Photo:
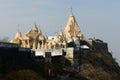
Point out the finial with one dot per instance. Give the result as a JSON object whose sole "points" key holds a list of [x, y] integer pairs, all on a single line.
{"points": [[71, 9], [35, 24], [18, 27], [40, 29]]}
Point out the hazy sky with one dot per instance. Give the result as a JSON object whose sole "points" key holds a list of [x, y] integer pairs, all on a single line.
{"points": [[96, 18]]}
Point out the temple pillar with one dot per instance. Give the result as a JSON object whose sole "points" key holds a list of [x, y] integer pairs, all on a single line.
{"points": [[49, 45], [42, 46], [23, 43], [28, 45], [38, 46], [46, 46], [34, 45]]}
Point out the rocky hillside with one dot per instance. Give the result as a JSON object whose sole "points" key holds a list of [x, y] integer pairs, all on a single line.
{"points": [[97, 65]]}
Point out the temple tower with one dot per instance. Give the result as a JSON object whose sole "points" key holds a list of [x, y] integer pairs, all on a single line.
{"points": [[72, 28]]}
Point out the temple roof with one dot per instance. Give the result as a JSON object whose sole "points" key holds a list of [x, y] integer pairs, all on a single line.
{"points": [[18, 35], [35, 27], [34, 32], [72, 28]]}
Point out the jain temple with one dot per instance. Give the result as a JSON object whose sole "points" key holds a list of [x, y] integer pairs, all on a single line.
{"points": [[70, 43], [66, 56], [34, 38]]}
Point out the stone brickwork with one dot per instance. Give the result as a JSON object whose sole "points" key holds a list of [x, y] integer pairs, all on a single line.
{"points": [[13, 57], [98, 45]]}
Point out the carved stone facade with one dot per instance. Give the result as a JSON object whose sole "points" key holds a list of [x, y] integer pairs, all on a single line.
{"points": [[34, 38]]}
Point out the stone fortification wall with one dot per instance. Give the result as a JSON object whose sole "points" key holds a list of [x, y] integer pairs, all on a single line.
{"points": [[98, 45], [12, 57]]}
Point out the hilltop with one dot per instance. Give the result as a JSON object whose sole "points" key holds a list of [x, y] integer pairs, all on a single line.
{"points": [[66, 56]]}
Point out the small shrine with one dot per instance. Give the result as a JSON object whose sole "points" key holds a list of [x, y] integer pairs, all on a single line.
{"points": [[33, 39]]}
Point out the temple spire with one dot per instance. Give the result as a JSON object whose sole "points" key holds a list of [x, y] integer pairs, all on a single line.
{"points": [[18, 35], [72, 28], [35, 27]]}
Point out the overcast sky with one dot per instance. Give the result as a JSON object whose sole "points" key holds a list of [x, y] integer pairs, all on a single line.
{"points": [[96, 18]]}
